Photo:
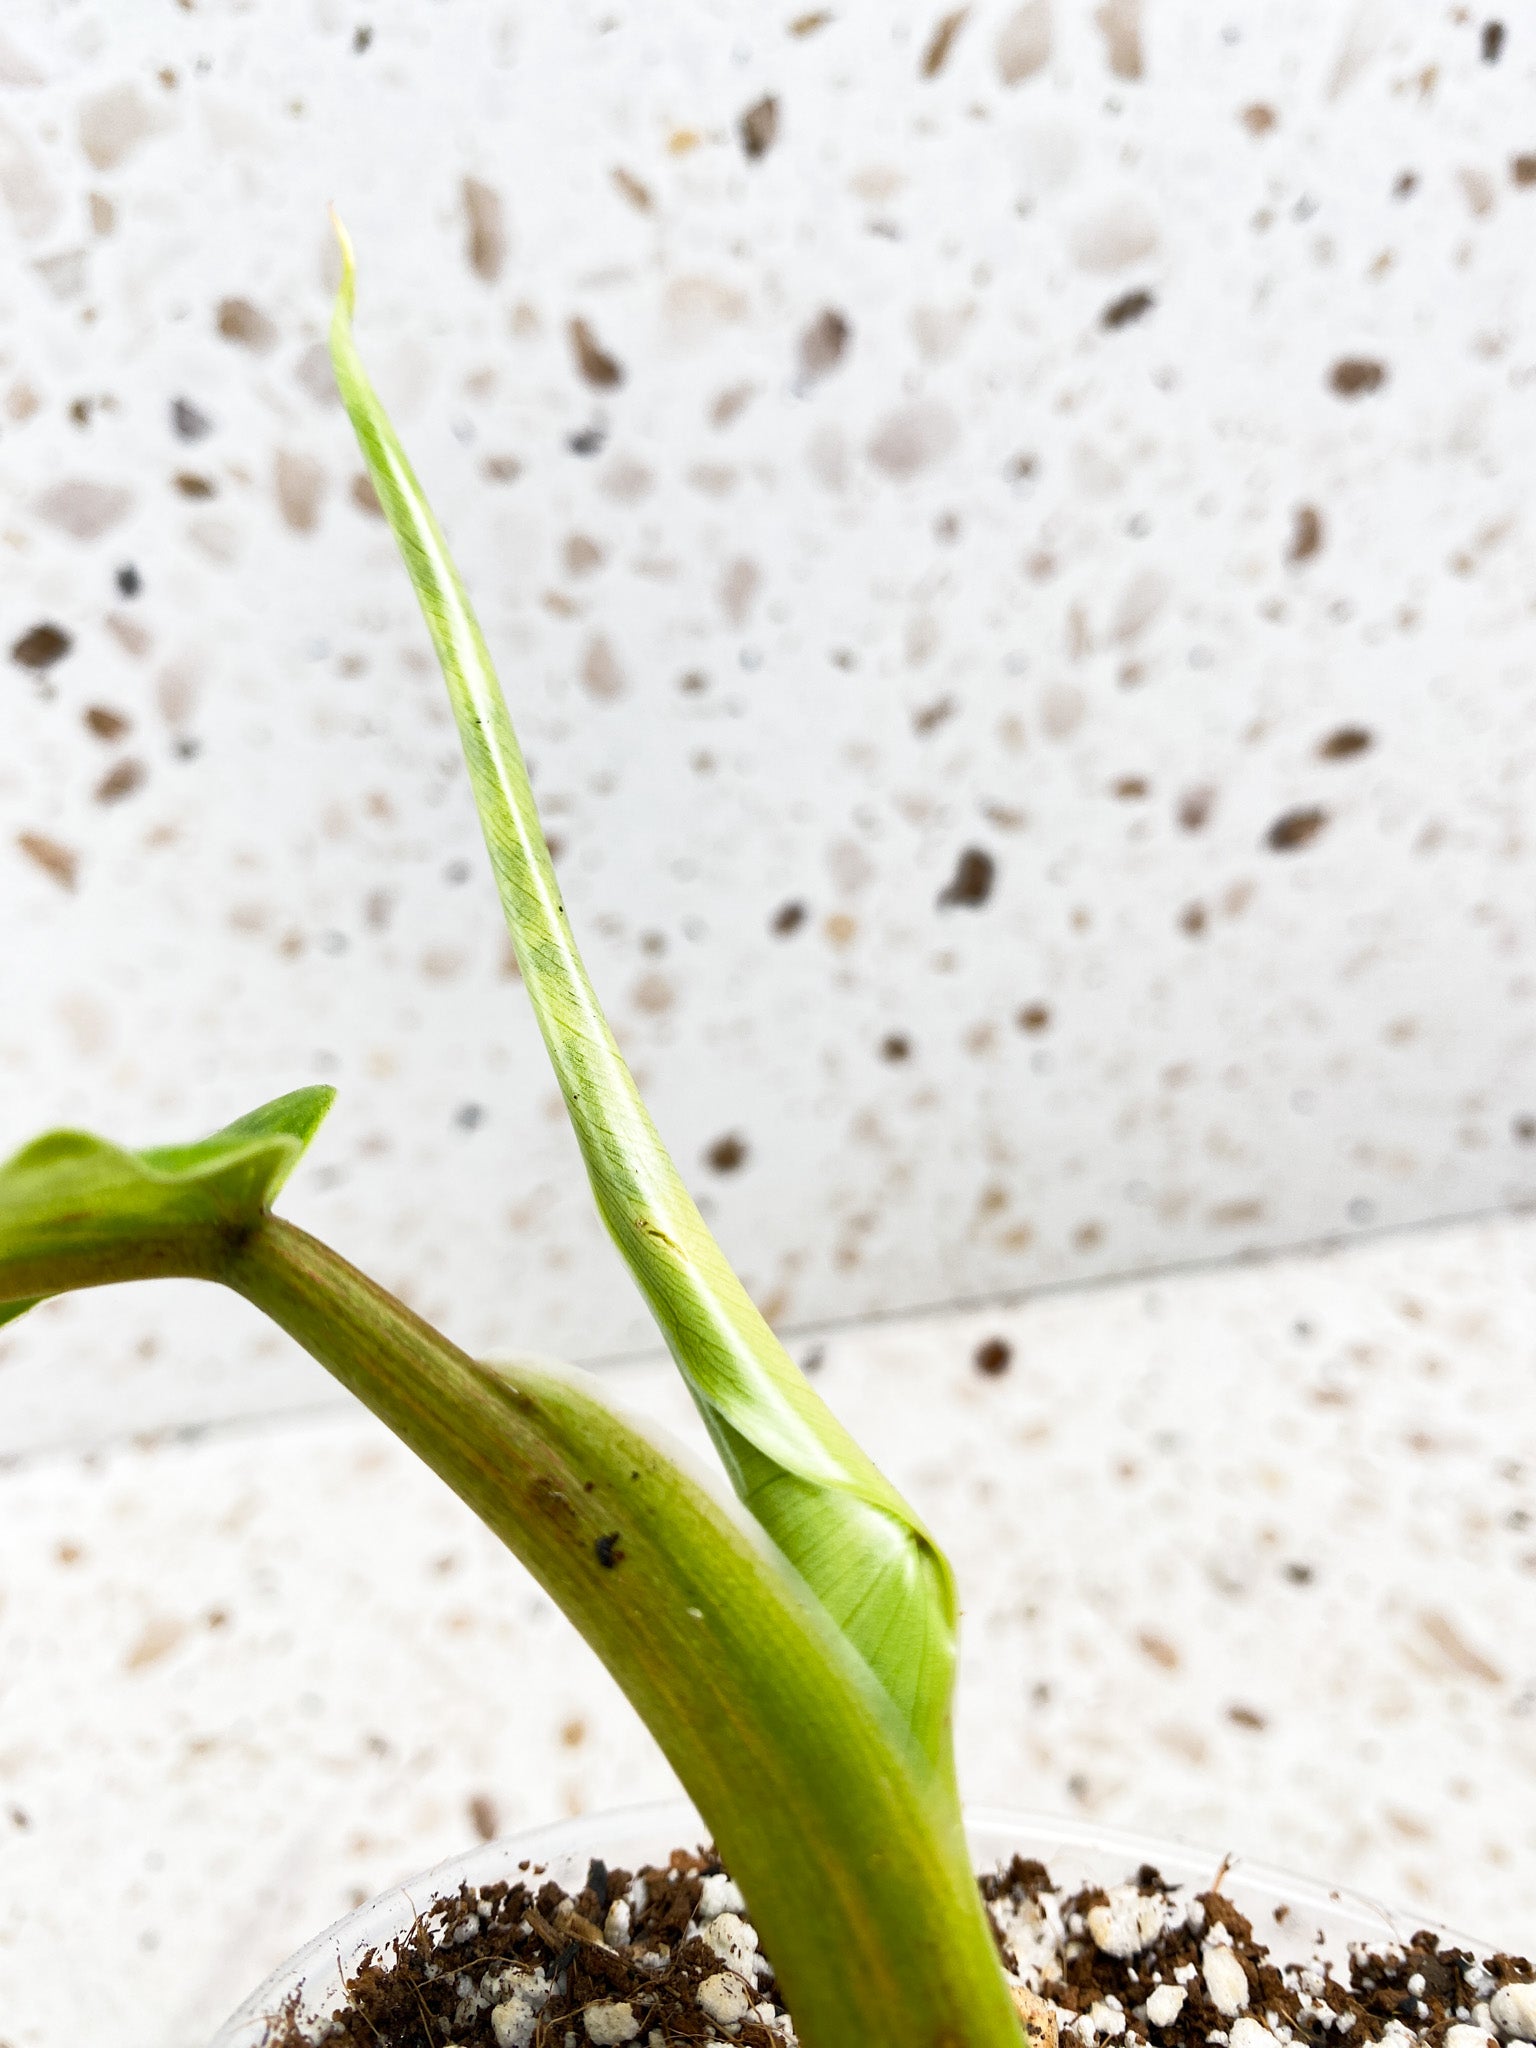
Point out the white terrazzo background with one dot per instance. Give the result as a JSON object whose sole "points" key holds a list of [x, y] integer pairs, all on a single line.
{"points": [[1247, 1555], [1249, 1552], [791, 632]]}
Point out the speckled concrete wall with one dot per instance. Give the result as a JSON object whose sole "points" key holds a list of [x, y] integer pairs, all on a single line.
{"points": [[1006, 535]]}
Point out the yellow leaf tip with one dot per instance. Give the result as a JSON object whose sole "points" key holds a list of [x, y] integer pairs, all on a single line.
{"points": [[346, 291]]}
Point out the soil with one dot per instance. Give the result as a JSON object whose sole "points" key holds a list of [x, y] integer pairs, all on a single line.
{"points": [[649, 1956]]}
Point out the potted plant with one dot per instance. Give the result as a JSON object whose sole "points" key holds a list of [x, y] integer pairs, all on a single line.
{"points": [[793, 1654]]}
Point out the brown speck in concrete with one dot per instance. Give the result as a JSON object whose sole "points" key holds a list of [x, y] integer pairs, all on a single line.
{"points": [[1344, 744], [177, 689], [603, 371], [1295, 829], [1195, 807], [971, 883], [1455, 1652], [993, 1356], [299, 482], [364, 496], [1130, 788], [501, 469], [895, 1047], [1062, 710], [240, 321], [1522, 170], [1258, 119], [1087, 1237], [1356, 376], [1034, 1017], [188, 422], [55, 860], [1193, 919], [1306, 534], [601, 675], [1024, 42], [442, 963], [1248, 1717], [132, 637], [929, 717], [1119, 22], [84, 510], [158, 1637], [485, 229], [759, 127], [113, 124], [1477, 189], [727, 1153], [1158, 1649], [653, 994], [740, 581], [1114, 235], [120, 781], [730, 405], [483, 1817], [191, 485], [581, 554], [786, 919], [1122, 312], [105, 723], [824, 343], [637, 193], [913, 438], [41, 646], [1492, 41], [942, 41], [626, 481]]}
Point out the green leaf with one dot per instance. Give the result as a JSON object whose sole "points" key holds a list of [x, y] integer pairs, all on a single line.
{"points": [[832, 1513], [74, 1206]]}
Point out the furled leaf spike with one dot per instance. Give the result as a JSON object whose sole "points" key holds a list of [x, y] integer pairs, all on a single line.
{"points": [[833, 1514]]}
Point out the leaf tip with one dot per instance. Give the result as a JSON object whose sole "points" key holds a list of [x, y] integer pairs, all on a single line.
{"points": [[346, 291]]}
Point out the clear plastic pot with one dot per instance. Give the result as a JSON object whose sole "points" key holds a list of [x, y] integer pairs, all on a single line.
{"points": [[1314, 1921]]}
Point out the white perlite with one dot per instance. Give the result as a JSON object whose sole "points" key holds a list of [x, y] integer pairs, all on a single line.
{"points": [[1165, 2005], [718, 1894], [1512, 2009], [525, 1995], [1127, 1924], [1463, 2036], [610, 2023], [616, 1924], [1248, 2033], [723, 1999], [1225, 1978], [733, 1941]]}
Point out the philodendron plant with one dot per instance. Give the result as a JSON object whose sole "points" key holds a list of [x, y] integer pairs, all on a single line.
{"points": [[796, 1660]]}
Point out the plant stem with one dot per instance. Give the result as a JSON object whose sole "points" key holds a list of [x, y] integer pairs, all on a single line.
{"points": [[849, 1854]]}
